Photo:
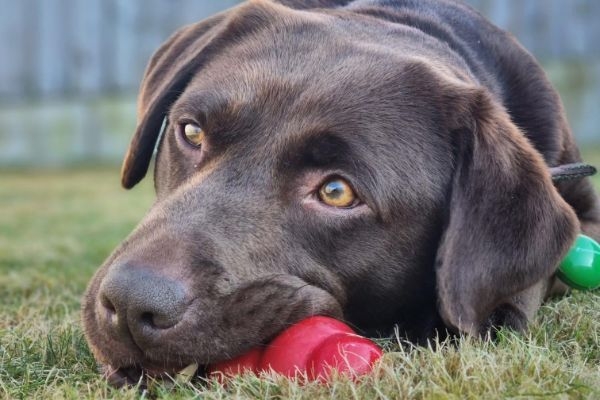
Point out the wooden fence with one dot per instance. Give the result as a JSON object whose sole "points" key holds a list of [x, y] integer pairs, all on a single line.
{"points": [[56, 48], [64, 63]]}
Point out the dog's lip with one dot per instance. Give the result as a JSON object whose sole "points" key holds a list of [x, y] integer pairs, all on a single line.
{"points": [[134, 374], [122, 376]]}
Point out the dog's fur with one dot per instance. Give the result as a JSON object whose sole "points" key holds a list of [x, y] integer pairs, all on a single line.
{"points": [[444, 126]]}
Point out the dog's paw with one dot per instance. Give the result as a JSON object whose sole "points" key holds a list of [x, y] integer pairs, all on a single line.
{"points": [[505, 316]]}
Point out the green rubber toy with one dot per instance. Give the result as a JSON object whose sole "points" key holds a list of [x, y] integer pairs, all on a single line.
{"points": [[580, 268]]}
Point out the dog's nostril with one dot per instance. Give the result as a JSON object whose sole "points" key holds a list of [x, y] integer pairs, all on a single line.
{"points": [[158, 320], [147, 319], [110, 311]]}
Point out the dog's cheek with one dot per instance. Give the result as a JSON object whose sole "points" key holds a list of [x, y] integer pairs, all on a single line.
{"points": [[88, 313]]}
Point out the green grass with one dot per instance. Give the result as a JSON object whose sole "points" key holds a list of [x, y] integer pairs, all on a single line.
{"points": [[57, 227]]}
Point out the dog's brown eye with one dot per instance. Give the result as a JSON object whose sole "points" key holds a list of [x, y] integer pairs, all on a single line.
{"points": [[194, 135], [337, 193]]}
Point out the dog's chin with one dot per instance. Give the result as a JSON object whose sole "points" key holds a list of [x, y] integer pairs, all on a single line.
{"points": [[130, 368]]}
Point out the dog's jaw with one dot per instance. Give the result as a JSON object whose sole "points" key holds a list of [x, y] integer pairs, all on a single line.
{"points": [[208, 333]]}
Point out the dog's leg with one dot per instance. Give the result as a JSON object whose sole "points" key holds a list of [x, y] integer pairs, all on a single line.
{"points": [[518, 311]]}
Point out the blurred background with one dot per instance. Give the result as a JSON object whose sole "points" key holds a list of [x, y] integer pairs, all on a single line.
{"points": [[70, 69]]}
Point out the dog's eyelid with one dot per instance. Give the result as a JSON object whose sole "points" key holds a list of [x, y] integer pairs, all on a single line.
{"points": [[188, 118]]}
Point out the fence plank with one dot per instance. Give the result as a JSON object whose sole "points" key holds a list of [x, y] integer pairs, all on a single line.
{"points": [[86, 46], [11, 22], [126, 14], [51, 68]]}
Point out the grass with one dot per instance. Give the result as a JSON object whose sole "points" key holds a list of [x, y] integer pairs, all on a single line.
{"points": [[57, 227]]}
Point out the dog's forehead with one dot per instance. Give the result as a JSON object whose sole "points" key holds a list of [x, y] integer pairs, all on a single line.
{"points": [[308, 76]]}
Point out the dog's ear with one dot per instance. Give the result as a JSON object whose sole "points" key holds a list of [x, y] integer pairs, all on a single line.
{"points": [[172, 68], [168, 73], [507, 226]]}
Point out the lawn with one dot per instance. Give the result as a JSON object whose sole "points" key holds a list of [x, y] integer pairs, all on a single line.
{"points": [[57, 227]]}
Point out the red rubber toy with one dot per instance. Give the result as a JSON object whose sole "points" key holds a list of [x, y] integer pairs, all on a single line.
{"points": [[312, 348], [247, 362], [350, 355]]}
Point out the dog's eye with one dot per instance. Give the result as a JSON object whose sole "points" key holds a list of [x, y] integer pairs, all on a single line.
{"points": [[337, 193], [194, 135]]}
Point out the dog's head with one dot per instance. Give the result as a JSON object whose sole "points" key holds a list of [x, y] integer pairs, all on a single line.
{"points": [[317, 164]]}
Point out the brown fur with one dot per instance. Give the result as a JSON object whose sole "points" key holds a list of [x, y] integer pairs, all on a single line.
{"points": [[444, 130]]}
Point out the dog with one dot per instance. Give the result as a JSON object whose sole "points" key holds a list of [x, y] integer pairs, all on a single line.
{"points": [[381, 162]]}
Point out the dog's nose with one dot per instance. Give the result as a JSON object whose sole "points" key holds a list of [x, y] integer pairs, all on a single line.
{"points": [[138, 303]]}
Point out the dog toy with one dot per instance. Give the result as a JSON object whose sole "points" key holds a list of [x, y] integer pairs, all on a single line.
{"points": [[313, 347], [580, 268]]}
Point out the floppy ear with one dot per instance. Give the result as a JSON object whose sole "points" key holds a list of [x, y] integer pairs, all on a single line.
{"points": [[170, 70], [507, 226]]}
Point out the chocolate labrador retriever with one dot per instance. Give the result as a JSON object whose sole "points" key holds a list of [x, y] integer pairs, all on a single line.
{"points": [[383, 162]]}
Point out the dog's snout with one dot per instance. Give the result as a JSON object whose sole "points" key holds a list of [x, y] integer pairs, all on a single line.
{"points": [[137, 303]]}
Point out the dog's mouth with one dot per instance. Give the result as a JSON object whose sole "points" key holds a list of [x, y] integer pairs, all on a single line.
{"points": [[136, 353], [136, 375]]}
